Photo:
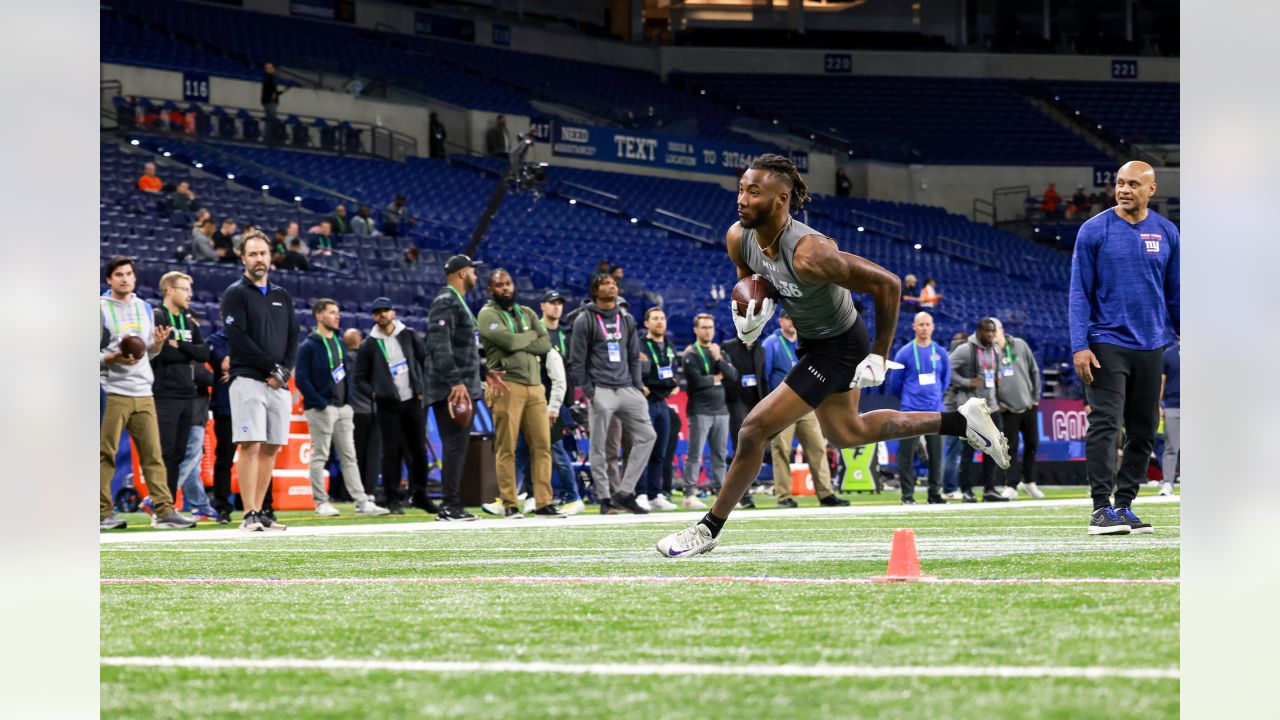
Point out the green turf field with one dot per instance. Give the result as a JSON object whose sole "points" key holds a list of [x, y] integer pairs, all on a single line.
{"points": [[583, 619]]}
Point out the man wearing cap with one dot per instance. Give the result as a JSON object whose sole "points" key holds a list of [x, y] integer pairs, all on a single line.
{"points": [[453, 354], [515, 342], [390, 369], [555, 378]]}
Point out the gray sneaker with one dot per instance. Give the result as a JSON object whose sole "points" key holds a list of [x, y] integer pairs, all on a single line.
{"points": [[172, 521], [112, 522]]}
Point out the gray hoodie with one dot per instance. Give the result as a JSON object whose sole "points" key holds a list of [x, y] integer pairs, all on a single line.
{"points": [[968, 361], [589, 363], [1019, 391], [130, 317]]}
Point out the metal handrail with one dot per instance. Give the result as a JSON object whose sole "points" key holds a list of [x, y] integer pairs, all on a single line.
{"points": [[682, 218]]}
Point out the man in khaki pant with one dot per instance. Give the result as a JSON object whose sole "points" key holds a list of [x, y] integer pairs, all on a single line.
{"points": [[515, 342], [130, 404]]}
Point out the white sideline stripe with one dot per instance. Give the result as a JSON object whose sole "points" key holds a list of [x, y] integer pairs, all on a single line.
{"points": [[611, 579], [659, 669], [594, 520]]}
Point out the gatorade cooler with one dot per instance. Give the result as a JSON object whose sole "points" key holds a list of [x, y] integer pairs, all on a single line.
{"points": [[801, 480]]}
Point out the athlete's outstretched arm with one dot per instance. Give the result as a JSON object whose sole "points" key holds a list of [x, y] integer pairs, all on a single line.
{"points": [[818, 260]]}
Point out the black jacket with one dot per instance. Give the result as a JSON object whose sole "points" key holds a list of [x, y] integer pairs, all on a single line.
{"points": [[373, 376], [750, 388], [706, 397], [172, 366], [262, 331], [453, 353], [659, 388], [314, 377]]}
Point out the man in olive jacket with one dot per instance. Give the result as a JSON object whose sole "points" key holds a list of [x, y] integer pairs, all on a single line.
{"points": [[515, 342]]}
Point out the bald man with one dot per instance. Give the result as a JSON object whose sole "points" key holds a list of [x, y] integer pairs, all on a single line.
{"points": [[1124, 310], [924, 377], [367, 437]]}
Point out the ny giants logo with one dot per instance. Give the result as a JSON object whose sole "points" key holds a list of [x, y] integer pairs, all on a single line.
{"points": [[1151, 241], [1068, 425]]}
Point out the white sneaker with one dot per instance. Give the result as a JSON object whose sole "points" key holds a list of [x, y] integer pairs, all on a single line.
{"points": [[326, 509], [1031, 489], [494, 508], [1008, 492], [691, 502], [530, 504], [660, 502], [643, 501], [369, 507], [573, 508], [954, 495], [688, 542], [983, 434], [1166, 488]]}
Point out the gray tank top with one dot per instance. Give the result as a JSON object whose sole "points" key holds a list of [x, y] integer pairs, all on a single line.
{"points": [[819, 311]]}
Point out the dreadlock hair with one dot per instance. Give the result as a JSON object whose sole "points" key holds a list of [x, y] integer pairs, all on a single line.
{"points": [[787, 169], [598, 279]]}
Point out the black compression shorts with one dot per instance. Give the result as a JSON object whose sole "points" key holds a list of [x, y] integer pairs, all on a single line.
{"points": [[826, 367]]}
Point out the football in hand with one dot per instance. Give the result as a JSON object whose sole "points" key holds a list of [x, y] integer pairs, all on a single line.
{"points": [[461, 413], [133, 346], [756, 287]]}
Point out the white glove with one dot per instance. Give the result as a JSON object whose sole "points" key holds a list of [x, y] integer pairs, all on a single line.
{"points": [[749, 327], [871, 371]]}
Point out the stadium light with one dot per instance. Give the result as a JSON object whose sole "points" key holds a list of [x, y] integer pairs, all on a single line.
{"points": [[296, 198], [231, 176], [702, 92], [542, 164], [775, 121], [167, 153], [1099, 127], [1077, 112], [133, 141], [861, 229], [1037, 230], [199, 165], [266, 187], [916, 246], [635, 220], [572, 201]]}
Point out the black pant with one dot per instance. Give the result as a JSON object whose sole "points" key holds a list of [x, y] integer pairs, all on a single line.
{"points": [[173, 415], [224, 453], [1125, 390], [403, 426], [1024, 424], [368, 450], [989, 467], [668, 460], [454, 441], [907, 450]]}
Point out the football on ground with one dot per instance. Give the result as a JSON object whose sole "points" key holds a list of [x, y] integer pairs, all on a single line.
{"points": [[755, 287]]}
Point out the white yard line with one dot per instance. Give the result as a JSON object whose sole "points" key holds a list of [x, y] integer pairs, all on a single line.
{"points": [[666, 670], [614, 579], [595, 520]]}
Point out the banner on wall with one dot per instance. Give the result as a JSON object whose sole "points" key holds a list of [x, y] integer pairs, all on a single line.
{"points": [[657, 150]]}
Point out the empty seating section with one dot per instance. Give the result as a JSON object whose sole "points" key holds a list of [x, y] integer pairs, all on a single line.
{"points": [[912, 119], [1139, 111]]}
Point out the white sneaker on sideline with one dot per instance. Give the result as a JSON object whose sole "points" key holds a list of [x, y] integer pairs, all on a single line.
{"points": [[954, 495], [691, 541], [494, 508], [643, 501], [573, 508], [1031, 489], [326, 509], [1008, 492], [530, 504], [1166, 488], [660, 502], [982, 432], [691, 502], [371, 508]]}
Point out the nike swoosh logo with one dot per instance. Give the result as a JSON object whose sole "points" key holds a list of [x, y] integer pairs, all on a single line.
{"points": [[983, 437], [675, 553]]}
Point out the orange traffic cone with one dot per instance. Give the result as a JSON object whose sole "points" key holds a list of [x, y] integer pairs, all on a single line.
{"points": [[904, 564]]}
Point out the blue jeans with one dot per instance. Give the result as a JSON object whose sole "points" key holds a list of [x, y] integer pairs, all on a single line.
{"points": [[193, 496], [651, 480], [562, 478], [951, 464]]}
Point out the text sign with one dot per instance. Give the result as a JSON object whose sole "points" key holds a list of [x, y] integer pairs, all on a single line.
{"points": [[1103, 175], [837, 63], [633, 147], [1124, 69], [195, 87]]}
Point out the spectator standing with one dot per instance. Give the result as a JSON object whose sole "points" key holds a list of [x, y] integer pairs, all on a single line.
{"points": [[779, 359], [745, 394], [497, 140], [453, 354], [130, 405], [194, 498], [149, 181], [390, 368], [910, 301], [1124, 311], [974, 373], [515, 343], [174, 370], [843, 184], [224, 449], [658, 366], [436, 136], [1019, 397], [605, 362], [951, 446], [1050, 202], [1171, 411], [920, 383], [706, 371], [555, 378], [262, 335], [395, 218], [321, 377], [270, 97], [929, 296], [364, 423]]}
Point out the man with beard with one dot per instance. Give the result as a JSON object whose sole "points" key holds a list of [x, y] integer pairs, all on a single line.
{"points": [[975, 378], [835, 358], [389, 368], [515, 343], [262, 333], [453, 354], [605, 362], [658, 362]]}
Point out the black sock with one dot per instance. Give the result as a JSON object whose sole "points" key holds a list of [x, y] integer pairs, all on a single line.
{"points": [[953, 423], [713, 523]]}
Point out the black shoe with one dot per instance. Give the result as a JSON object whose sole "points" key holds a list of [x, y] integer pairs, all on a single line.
{"points": [[908, 501], [425, 504], [1136, 526], [1106, 521], [607, 507], [788, 503], [395, 509], [747, 502], [453, 514], [833, 501], [512, 514], [270, 514], [549, 511], [628, 503], [993, 497], [224, 517], [937, 500], [969, 497]]}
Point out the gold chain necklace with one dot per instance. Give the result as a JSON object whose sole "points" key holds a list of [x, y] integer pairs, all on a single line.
{"points": [[781, 230]]}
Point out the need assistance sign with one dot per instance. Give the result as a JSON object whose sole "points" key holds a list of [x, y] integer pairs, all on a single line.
{"points": [[615, 145]]}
